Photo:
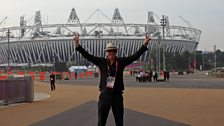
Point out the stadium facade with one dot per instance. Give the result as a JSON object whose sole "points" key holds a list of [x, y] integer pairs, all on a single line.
{"points": [[49, 43]]}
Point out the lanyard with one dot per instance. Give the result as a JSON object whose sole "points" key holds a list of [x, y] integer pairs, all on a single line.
{"points": [[108, 68]]}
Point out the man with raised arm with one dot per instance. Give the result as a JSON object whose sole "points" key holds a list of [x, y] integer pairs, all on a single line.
{"points": [[111, 85]]}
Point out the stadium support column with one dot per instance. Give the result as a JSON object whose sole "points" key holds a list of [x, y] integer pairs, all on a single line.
{"points": [[8, 57], [163, 24]]}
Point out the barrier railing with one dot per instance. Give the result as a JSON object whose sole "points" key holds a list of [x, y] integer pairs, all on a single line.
{"points": [[16, 89], [44, 76]]}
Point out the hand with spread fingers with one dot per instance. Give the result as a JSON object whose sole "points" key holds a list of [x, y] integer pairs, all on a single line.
{"points": [[147, 39], [76, 39]]}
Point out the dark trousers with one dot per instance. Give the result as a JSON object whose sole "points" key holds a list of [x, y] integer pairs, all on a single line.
{"points": [[52, 85], [106, 101]]}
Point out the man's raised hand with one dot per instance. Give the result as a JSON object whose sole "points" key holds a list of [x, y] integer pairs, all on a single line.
{"points": [[147, 39], [76, 39]]}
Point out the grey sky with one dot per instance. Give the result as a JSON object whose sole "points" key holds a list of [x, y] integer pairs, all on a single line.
{"points": [[207, 16]]}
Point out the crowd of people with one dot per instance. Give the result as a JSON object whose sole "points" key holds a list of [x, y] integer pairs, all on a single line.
{"points": [[151, 76]]}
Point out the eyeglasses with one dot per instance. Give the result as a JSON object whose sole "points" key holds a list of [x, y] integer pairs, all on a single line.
{"points": [[111, 50]]}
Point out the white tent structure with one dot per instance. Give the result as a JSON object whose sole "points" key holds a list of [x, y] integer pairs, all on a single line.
{"points": [[76, 68]]}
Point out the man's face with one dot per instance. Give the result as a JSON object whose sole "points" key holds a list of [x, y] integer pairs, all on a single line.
{"points": [[111, 54]]}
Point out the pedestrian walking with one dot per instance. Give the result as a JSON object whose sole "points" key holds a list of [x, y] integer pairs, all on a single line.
{"points": [[154, 74], [165, 75], [168, 75], [136, 76], [150, 76], [111, 85], [52, 81]]}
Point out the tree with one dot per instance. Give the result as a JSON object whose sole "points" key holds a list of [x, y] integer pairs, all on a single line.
{"points": [[184, 61]]}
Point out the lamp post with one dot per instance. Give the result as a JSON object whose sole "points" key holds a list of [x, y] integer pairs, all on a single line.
{"points": [[54, 61], [159, 59], [163, 24], [215, 56], [8, 57]]}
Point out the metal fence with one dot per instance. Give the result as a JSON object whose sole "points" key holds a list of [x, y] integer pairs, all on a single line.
{"points": [[16, 90]]}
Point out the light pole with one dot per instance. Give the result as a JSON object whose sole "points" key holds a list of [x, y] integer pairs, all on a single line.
{"points": [[215, 56], [54, 61], [159, 59], [195, 60], [156, 58], [8, 57], [163, 24]]}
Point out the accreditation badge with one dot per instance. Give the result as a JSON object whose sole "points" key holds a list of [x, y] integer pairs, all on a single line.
{"points": [[110, 82]]}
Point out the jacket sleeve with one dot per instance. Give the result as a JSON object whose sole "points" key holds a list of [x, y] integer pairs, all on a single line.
{"points": [[132, 58], [91, 58]]}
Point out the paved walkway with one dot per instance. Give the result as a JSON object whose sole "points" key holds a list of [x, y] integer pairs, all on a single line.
{"points": [[76, 105], [40, 96]]}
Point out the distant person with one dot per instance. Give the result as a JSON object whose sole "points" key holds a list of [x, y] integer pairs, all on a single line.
{"points": [[76, 76], [111, 85], [168, 75], [165, 75], [66, 77], [136, 76], [52, 81], [139, 77], [154, 75], [146, 76], [150, 76]]}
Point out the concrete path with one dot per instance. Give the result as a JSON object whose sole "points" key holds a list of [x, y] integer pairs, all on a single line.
{"points": [[86, 115], [74, 104]]}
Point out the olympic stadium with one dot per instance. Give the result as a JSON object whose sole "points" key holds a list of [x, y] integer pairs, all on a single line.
{"points": [[40, 42]]}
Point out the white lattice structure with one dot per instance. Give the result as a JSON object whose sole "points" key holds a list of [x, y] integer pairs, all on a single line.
{"points": [[39, 43]]}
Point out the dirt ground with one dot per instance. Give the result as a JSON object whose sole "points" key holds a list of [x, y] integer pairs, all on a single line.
{"points": [[195, 107]]}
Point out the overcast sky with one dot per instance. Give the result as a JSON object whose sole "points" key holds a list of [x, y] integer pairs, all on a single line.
{"points": [[206, 15]]}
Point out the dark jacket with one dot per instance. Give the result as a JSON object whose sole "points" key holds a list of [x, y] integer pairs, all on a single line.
{"points": [[52, 77], [102, 63]]}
